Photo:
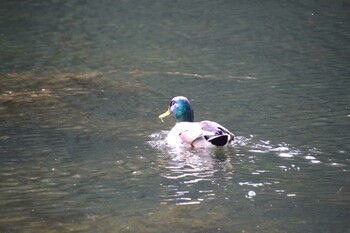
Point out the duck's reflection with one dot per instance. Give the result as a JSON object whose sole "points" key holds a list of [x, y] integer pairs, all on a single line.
{"points": [[191, 176]]}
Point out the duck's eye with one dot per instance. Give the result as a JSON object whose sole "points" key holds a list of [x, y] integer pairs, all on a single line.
{"points": [[171, 103]]}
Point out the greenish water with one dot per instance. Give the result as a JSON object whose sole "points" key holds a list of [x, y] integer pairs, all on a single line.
{"points": [[82, 85]]}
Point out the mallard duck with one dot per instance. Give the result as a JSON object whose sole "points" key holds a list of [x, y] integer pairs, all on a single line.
{"points": [[186, 132]]}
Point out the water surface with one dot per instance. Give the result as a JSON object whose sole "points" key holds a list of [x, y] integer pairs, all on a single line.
{"points": [[82, 84]]}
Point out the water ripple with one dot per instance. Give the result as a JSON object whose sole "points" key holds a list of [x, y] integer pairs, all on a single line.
{"points": [[187, 172], [193, 176], [282, 149]]}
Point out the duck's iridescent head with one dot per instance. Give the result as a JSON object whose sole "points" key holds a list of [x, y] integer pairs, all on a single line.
{"points": [[181, 109]]}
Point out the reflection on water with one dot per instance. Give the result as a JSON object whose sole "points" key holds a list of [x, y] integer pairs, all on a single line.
{"points": [[188, 172]]}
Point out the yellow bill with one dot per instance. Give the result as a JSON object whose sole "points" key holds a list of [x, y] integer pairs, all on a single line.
{"points": [[167, 113]]}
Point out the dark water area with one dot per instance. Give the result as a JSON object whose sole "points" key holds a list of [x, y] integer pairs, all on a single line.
{"points": [[82, 84]]}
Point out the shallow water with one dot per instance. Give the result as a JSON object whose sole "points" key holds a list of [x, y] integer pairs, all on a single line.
{"points": [[82, 84]]}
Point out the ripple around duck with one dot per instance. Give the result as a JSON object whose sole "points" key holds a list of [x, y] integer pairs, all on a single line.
{"points": [[189, 174], [195, 175], [245, 144]]}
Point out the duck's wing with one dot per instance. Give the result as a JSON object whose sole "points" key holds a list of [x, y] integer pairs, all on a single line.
{"points": [[204, 133], [218, 135], [215, 128], [189, 136], [188, 131]]}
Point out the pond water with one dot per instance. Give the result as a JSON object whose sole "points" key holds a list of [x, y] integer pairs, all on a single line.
{"points": [[82, 84]]}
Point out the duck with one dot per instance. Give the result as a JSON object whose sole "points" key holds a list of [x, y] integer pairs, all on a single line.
{"points": [[188, 133]]}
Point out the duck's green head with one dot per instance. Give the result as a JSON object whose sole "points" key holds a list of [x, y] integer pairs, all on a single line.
{"points": [[181, 109]]}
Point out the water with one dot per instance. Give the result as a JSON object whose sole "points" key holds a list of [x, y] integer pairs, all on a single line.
{"points": [[82, 84]]}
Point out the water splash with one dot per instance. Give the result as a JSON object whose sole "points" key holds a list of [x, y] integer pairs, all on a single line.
{"points": [[158, 140]]}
